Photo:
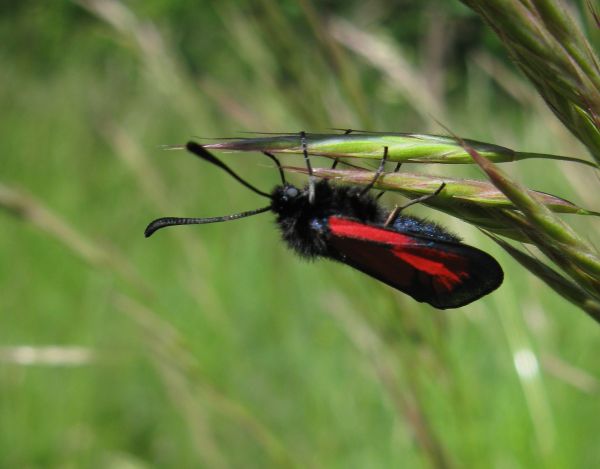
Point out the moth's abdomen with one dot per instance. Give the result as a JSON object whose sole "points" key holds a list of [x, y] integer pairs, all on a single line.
{"points": [[417, 226]]}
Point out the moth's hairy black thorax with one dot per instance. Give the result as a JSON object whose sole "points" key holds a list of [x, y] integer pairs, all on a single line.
{"points": [[303, 225]]}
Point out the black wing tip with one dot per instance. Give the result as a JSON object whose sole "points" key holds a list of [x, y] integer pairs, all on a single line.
{"points": [[494, 277]]}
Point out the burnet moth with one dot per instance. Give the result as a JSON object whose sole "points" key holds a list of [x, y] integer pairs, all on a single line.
{"points": [[348, 225]]}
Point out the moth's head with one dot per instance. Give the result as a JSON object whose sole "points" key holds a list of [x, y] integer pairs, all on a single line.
{"points": [[288, 198]]}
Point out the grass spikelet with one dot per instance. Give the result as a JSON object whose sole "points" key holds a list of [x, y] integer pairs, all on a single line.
{"points": [[560, 284], [546, 44], [550, 234], [474, 201], [467, 191], [402, 147]]}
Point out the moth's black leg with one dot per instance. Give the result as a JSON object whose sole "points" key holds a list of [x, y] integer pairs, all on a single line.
{"points": [[392, 216], [377, 173], [311, 177], [338, 161], [396, 169], [398, 208]]}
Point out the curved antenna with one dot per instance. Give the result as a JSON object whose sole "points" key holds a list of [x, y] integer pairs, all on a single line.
{"points": [[173, 221], [273, 158], [311, 177], [201, 152]]}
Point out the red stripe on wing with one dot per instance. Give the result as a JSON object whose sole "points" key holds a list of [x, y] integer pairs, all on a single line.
{"points": [[407, 248], [446, 277], [353, 229], [442, 273]]}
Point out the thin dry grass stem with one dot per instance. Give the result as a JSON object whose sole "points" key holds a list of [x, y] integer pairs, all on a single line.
{"points": [[31, 210], [47, 355], [594, 12], [276, 39], [227, 103], [150, 181], [162, 337], [203, 439], [521, 91], [391, 62], [169, 77], [166, 72], [566, 372], [129, 152], [404, 400], [348, 76], [437, 42], [253, 44], [189, 389], [503, 76], [244, 33], [154, 189]]}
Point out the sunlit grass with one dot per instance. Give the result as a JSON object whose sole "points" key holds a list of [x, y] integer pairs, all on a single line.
{"points": [[214, 346]]}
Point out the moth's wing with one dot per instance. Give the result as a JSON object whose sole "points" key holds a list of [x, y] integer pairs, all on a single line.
{"points": [[442, 273]]}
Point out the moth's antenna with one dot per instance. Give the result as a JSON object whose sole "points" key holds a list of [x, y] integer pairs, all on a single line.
{"points": [[273, 158], [311, 177], [173, 221], [201, 152]]}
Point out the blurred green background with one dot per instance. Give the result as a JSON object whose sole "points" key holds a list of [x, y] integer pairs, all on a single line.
{"points": [[214, 346]]}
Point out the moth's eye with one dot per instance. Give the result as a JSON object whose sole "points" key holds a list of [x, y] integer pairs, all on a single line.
{"points": [[291, 192]]}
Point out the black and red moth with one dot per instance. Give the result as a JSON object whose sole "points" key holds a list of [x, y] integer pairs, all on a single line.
{"points": [[348, 225]]}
